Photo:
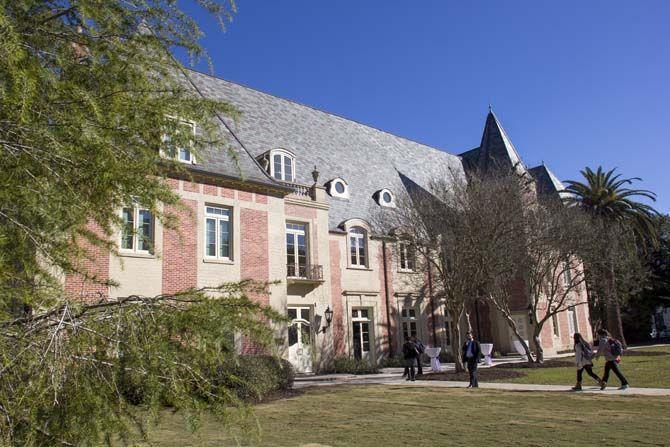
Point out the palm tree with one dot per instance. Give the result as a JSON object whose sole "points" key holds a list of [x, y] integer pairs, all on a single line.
{"points": [[605, 196]]}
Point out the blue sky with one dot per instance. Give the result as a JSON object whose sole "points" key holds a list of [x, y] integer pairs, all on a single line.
{"points": [[574, 83]]}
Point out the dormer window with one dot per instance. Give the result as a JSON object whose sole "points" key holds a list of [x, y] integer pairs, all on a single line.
{"points": [[338, 188], [281, 165], [384, 197], [182, 150]]}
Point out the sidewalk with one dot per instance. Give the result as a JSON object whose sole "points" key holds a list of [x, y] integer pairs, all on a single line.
{"points": [[393, 378]]}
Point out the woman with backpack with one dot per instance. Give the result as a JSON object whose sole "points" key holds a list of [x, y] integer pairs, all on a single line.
{"points": [[583, 356], [612, 349]]}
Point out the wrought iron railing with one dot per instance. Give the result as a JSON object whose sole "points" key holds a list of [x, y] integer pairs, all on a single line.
{"points": [[305, 271]]}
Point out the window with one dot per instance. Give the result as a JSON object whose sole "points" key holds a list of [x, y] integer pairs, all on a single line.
{"points": [[182, 153], [408, 322], [338, 188], [137, 233], [406, 256], [218, 240], [296, 250], [385, 197], [572, 320], [554, 323], [357, 247], [567, 274], [282, 166], [360, 321]]}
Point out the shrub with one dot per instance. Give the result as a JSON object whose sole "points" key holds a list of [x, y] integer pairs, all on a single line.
{"points": [[445, 356], [254, 377], [351, 366], [393, 362]]}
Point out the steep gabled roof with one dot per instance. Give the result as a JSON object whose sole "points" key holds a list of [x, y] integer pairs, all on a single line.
{"points": [[546, 183], [496, 150]]}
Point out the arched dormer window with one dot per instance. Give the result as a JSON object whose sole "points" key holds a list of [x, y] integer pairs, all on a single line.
{"points": [[358, 247], [280, 164]]}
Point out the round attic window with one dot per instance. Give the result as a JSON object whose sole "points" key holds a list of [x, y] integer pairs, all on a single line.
{"points": [[339, 187], [386, 197]]}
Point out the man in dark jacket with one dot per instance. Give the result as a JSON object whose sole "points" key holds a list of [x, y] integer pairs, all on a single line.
{"points": [[420, 349], [409, 353], [471, 354]]}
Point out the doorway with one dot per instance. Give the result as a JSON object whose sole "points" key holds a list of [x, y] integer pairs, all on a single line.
{"points": [[300, 339]]}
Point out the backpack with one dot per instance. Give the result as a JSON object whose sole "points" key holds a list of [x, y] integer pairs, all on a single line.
{"points": [[587, 353], [616, 348]]}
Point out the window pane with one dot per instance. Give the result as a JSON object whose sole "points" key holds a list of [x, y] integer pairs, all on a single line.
{"points": [[288, 167], [224, 238], [184, 154], [363, 313], [290, 253], [127, 229], [144, 231], [361, 252], [292, 314], [292, 335], [277, 167], [352, 243], [210, 237]]}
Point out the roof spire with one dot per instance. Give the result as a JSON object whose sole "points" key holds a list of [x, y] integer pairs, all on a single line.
{"points": [[490, 107]]}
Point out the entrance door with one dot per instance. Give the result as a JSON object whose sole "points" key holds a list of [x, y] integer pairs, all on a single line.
{"points": [[361, 323], [300, 339], [296, 250]]}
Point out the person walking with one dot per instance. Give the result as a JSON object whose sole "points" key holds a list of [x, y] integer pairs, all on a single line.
{"points": [[471, 354], [409, 354], [583, 356], [420, 349], [611, 349]]}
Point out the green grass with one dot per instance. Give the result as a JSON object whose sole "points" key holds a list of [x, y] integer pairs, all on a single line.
{"points": [[396, 415], [641, 371]]}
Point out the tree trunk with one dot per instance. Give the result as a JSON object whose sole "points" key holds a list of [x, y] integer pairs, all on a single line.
{"points": [[456, 346], [539, 352], [614, 325]]}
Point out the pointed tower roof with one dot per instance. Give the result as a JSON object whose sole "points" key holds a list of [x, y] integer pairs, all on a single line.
{"points": [[546, 182], [496, 149]]}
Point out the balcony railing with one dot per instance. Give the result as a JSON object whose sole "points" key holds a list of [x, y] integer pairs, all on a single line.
{"points": [[300, 190], [305, 273]]}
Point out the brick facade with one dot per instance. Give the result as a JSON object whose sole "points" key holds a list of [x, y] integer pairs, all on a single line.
{"points": [[339, 332], [180, 245], [96, 264]]}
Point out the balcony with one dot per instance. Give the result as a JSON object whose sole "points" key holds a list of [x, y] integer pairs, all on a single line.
{"points": [[304, 274]]}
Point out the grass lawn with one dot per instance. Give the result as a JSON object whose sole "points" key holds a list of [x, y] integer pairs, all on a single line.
{"points": [[395, 415], [641, 371]]}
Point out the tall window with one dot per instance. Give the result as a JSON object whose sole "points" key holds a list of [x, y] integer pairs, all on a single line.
{"points": [[567, 274], [572, 320], [282, 166], [357, 247], [360, 321], [554, 323], [137, 234], [182, 151], [296, 250], [217, 232], [406, 256], [408, 321]]}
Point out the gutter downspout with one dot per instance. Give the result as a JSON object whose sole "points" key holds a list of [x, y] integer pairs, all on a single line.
{"points": [[388, 304], [432, 303]]}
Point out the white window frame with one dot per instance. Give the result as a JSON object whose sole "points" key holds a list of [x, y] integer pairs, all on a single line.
{"points": [[556, 326], [177, 155], [382, 202], [406, 320], [218, 218], [332, 188], [567, 274], [297, 232], [573, 326], [361, 241], [136, 233], [285, 155], [407, 253]]}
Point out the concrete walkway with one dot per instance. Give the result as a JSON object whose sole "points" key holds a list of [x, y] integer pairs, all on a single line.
{"points": [[394, 379]]}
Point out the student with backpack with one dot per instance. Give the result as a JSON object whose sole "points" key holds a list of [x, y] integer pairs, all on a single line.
{"points": [[612, 349], [583, 356]]}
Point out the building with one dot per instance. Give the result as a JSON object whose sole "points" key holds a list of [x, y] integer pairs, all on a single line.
{"points": [[294, 203]]}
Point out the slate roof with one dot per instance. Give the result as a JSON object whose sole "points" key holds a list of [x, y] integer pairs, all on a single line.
{"points": [[496, 150], [546, 183], [368, 159]]}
